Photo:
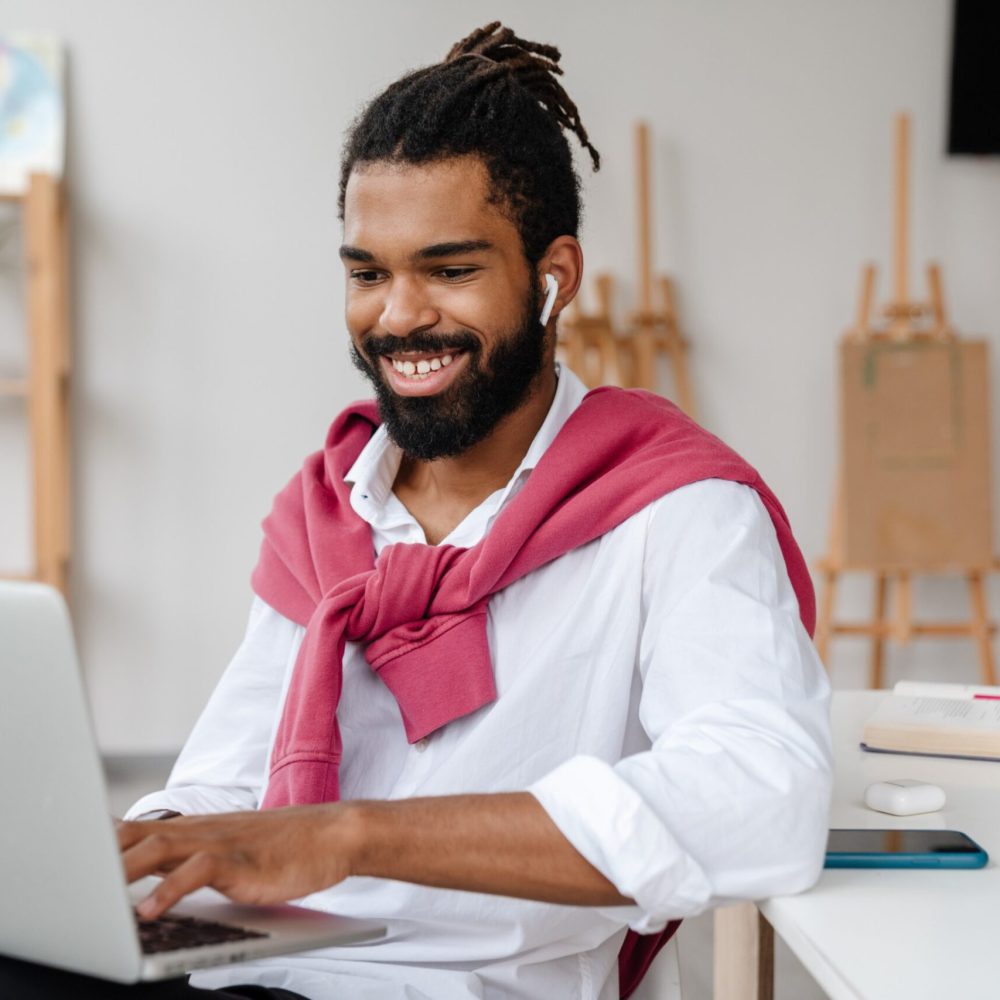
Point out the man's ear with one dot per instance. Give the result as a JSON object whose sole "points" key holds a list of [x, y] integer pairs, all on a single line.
{"points": [[563, 259]]}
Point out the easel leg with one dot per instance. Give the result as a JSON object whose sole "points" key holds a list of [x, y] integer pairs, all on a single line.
{"points": [[644, 373], [678, 360], [677, 349], [573, 350], [744, 954], [981, 628], [611, 369], [47, 363], [904, 609], [824, 621], [878, 633], [831, 570]]}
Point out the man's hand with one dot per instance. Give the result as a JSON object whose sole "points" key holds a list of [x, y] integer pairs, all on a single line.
{"points": [[270, 856]]}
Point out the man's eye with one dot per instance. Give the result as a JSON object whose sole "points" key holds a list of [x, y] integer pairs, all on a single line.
{"points": [[366, 277], [456, 273]]}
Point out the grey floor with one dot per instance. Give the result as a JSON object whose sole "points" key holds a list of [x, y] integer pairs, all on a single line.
{"points": [[129, 778]]}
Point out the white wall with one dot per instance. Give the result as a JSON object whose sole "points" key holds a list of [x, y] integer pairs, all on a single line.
{"points": [[204, 145]]}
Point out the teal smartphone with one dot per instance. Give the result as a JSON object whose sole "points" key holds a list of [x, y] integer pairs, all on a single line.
{"points": [[903, 849]]}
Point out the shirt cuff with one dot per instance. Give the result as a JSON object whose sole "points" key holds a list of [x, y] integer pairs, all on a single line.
{"points": [[194, 801], [609, 823]]}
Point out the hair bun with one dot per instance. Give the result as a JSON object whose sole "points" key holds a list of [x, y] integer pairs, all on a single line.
{"points": [[534, 65]]}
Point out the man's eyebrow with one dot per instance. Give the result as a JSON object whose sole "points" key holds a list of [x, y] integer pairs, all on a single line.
{"points": [[454, 248], [348, 252]]}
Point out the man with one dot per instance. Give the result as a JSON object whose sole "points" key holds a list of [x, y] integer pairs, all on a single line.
{"points": [[580, 697]]}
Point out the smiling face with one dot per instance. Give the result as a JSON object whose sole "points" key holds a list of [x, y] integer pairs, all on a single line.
{"points": [[442, 305]]}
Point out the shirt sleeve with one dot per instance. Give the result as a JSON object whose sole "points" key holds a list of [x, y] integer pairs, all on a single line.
{"points": [[731, 801], [223, 766]]}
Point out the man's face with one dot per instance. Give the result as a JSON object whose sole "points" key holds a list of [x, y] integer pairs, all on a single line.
{"points": [[442, 307]]}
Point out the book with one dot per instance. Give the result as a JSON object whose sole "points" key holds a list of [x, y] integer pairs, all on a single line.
{"points": [[941, 720], [922, 689]]}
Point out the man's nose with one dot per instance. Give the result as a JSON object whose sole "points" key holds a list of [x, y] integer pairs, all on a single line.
{"points": [[407, 308]]}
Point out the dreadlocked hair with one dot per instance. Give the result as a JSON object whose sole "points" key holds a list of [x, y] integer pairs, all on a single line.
{"points": [[496, 97]]}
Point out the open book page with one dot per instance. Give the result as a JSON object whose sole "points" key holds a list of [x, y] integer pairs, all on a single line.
{"points": [[960, 727]]}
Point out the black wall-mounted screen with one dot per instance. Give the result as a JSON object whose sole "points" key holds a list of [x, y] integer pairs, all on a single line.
{"points": [[974, 124]]}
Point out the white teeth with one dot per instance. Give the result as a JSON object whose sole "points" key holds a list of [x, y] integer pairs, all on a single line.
{"points": [[422, 368]]}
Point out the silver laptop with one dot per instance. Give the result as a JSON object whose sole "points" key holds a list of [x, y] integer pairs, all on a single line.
{"points": [[64, 898]]}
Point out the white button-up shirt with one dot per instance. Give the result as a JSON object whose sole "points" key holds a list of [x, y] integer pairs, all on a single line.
{"points": [[656, 692]]}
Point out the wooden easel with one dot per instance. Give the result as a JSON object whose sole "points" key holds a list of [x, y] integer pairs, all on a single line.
{"points": [[903, 321], [653, 330], [597, 351], [45, 388]]}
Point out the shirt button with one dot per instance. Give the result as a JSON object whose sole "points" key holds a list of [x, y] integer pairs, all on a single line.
{"points": [[421, 745]]}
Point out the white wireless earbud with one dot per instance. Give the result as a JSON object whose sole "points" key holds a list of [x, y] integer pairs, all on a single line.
{"points": [[551, 291]]}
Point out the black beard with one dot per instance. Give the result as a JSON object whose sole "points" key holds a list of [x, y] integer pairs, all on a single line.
{"points": [[452, 421]]}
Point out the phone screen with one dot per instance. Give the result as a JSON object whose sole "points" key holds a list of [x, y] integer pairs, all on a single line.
{"points": [[900, 842]]}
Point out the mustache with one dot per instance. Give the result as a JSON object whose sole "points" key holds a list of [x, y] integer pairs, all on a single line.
{"points": [[431, 343]]}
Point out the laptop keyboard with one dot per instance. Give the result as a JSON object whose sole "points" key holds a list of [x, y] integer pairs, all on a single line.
{"points": [[173, 933]]}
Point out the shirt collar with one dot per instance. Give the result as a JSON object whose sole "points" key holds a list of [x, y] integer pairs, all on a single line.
{"points": [[373, 473]]}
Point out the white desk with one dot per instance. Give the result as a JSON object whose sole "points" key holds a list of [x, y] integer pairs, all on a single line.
{"points": [[906, 934]]}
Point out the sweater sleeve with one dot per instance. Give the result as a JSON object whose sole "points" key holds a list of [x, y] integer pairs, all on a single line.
{"points": [[731, 800], [223, 766]]}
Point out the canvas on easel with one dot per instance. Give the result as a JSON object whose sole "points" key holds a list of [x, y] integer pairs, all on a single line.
{"points": [[916, 455]]}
